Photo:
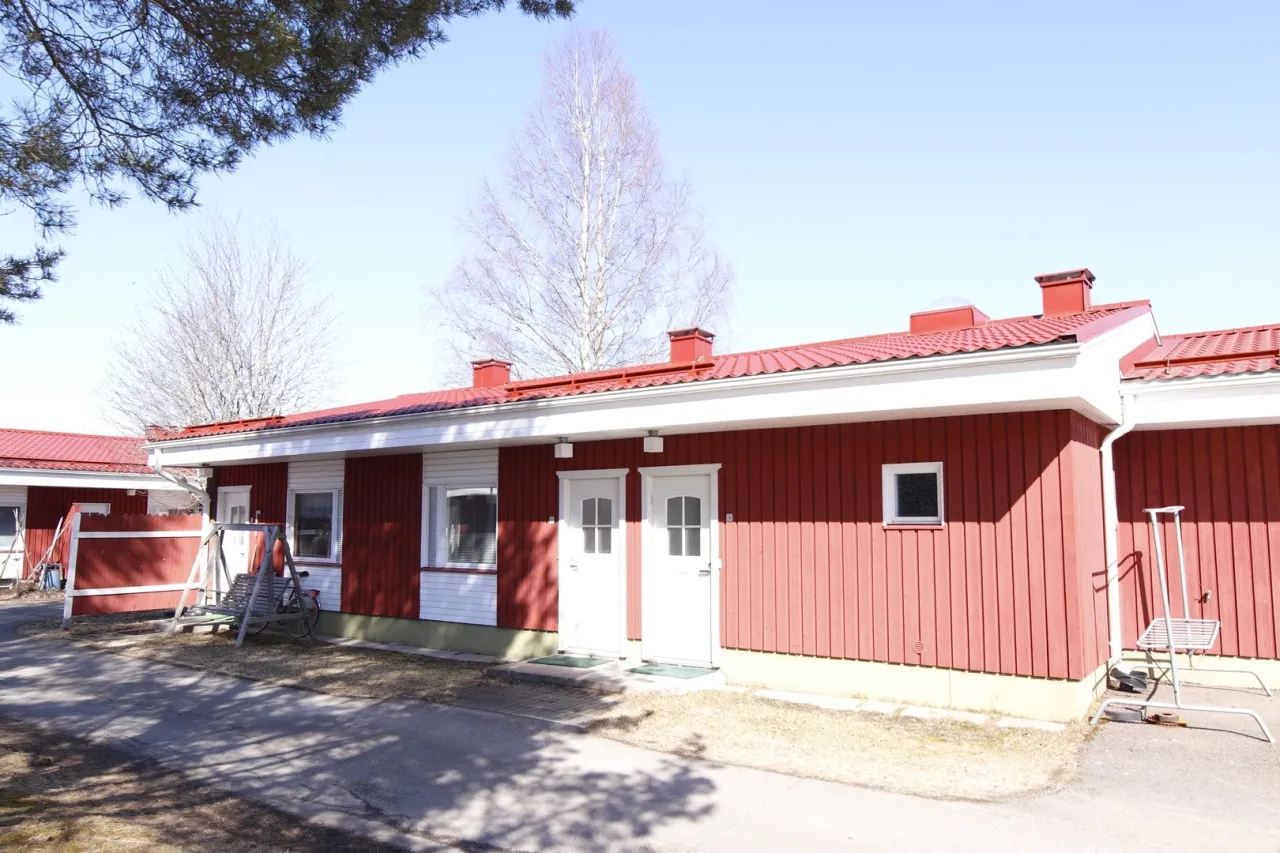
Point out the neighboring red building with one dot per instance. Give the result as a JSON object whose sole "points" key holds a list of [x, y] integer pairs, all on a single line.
{"points": [[916, 516], [43, 473]]}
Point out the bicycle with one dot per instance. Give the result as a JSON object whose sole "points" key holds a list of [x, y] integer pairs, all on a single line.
{"points": [[291, 601]]}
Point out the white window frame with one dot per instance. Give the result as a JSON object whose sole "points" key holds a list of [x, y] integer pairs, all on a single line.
{"points": [[290, 517], [7, 542], [889, 481], [442, 526]]}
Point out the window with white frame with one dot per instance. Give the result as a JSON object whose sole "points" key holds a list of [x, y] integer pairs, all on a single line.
{"points": [[462, 527], [313, 524], [9, 520], [913, 493]]}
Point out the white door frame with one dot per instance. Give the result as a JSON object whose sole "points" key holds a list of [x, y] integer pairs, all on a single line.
{"points": [[562, 536], [650, 545]]}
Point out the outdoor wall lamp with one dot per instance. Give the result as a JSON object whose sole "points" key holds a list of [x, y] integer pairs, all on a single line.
{"points": [[653, 442], [564, 449]]}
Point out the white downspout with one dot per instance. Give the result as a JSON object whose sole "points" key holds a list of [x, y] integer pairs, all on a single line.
{"points": [[1111, 525]]}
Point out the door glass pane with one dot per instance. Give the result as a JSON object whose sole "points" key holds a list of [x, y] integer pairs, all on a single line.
{"points": [[693, 541], [604, 516], [312, 523], [605, 539], [238, 514], [589, 540], [692, 512], [589, 512], [918, 495], [674, 516], [674, 537]]}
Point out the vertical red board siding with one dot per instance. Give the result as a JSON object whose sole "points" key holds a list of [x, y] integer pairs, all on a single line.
{"points": [[268, 484], [1010, 585], [126, 562], [1228, 478], [46, 505], [382, 535]]}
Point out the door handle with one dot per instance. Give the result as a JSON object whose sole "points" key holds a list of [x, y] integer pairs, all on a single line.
{"points": [[704, 572]]}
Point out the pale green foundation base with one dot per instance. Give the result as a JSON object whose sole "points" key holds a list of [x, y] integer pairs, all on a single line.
{"points": [[453, 636]]}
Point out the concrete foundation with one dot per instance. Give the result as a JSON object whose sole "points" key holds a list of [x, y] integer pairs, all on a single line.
{"points": [[455, 636]]}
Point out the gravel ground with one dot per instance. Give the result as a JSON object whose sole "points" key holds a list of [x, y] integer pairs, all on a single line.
{"points": [[934, 758], [63, 795]]}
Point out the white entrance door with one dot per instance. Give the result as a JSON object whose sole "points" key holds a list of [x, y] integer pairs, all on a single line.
{"points": [[233, 508], [678, 565], [592, 560]]}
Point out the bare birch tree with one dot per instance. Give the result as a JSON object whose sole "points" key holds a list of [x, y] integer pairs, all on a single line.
{"points": [[232, 332], [588, 252]]}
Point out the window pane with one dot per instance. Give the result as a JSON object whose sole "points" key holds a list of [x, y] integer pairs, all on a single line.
{"points": [[471, 525], [8, 521], [605, 516], [588, 540], [589, 512], [674, 517], [692, 512], [605, 539], [693, 541], [674, 537], [312, 524], [918, 495]]}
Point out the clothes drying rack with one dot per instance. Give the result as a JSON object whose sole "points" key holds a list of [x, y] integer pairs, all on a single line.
{"points": [[1174, 634]]}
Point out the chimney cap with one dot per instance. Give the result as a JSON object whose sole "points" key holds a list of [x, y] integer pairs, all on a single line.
{"points": [[490, 362], [692, 332], [1052, 278]]}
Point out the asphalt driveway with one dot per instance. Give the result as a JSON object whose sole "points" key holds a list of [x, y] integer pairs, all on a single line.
{"points": [[422, 775]]}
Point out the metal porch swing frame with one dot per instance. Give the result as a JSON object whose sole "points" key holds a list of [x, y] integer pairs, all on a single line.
{"points": [[255, 609], [1170, 634]]}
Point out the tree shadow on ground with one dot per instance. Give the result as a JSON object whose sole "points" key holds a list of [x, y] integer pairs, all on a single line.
{"points": [[434, 770]]}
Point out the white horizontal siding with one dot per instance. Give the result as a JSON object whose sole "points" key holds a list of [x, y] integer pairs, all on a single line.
{"points": [[329, 582], [318, 475], [459, 597], [460, 468]]}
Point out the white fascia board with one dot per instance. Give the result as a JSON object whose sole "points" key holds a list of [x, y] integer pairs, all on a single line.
{"points": [[1237, 399], [1098, 370], [81, 479], [1025, 378]]}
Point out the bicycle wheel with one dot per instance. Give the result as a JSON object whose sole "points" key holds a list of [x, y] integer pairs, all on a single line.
{"points": [[299, 628]]}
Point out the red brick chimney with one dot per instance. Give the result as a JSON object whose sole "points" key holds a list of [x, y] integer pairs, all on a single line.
{"points": [[690, 344], [1065, 292], [947, 320], [490, 373]]}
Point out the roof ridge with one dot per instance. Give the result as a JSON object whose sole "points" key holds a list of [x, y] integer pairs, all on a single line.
{"points": [[1266, 327]]}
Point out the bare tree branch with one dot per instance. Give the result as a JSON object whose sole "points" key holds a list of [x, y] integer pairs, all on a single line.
{"points": [[233, 332], [589, 252]]}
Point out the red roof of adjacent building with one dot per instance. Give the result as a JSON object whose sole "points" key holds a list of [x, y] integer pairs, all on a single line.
{"points": [[1251, 350], [66, 451], [992, 335]]}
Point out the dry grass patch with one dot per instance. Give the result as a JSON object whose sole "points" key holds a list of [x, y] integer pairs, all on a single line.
{"points": [[63, 795], [273, 657], [932, 758]]}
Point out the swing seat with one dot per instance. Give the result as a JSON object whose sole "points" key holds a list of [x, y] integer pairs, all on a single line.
{"points": [[1188, 635]]}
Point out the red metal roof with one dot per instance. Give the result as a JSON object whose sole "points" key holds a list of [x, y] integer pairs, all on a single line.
{"points": [[1252, 350], [65, 451], [993, 335]]}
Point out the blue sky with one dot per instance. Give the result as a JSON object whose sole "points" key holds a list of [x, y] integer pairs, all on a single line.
{"points": [[855, 163]]}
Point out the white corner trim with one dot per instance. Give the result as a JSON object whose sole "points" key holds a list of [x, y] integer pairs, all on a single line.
{"points": [[679, 470], [601, 474]]}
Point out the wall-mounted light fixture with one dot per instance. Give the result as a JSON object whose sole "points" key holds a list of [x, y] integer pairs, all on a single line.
{"points": [[653, 442], [564, 449]]}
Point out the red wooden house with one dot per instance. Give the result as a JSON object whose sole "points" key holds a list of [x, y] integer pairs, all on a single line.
{"points": [[918, 516], [43, 473]]}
